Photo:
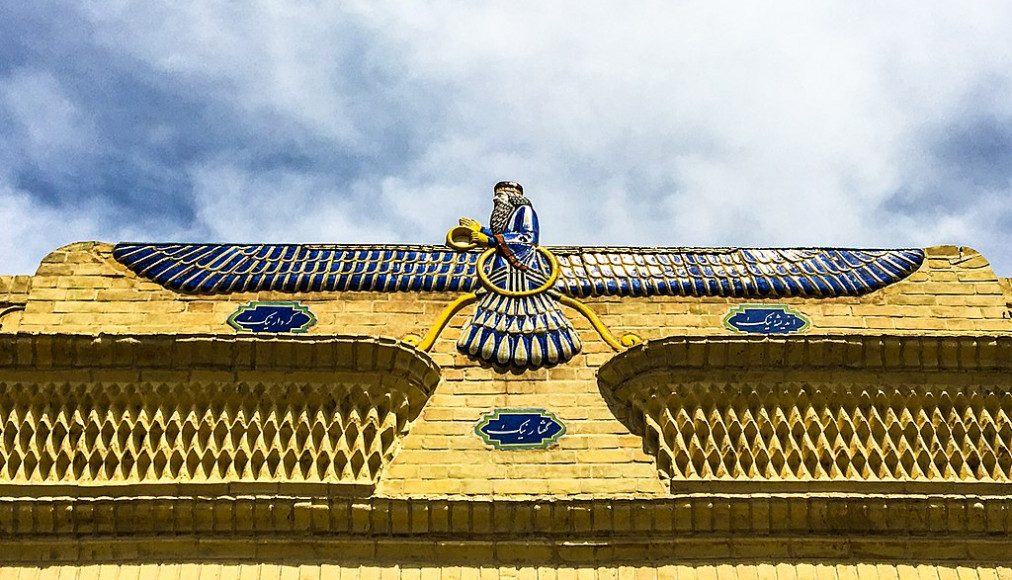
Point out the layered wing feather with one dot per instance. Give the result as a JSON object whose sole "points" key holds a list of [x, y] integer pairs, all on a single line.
{"points": [[223, 268], [737, 272]]}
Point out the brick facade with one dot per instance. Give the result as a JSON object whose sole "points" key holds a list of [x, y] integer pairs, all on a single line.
{"points": [[880, 442]]}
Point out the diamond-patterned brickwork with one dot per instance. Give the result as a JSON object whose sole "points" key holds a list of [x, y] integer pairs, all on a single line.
{"points": [[829, 411], [821, 431], [191, 432]]}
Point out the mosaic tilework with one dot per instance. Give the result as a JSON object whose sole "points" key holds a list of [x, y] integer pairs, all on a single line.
{"points": [[211, 268]]}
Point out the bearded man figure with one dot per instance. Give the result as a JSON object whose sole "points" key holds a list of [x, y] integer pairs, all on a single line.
{"points": [[517, 320]]}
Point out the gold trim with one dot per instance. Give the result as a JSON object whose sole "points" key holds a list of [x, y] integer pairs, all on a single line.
{"points": [[460, 232], [425, 344], [627, 340], [552, 277]]}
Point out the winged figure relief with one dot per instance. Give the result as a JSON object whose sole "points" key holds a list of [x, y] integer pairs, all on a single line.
{"points": [[518, 319], [518, 285]]}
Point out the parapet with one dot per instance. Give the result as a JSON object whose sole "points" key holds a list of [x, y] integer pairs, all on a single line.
{"points": [[313, 406]]}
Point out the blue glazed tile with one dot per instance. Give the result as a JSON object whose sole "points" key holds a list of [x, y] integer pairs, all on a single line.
{"points": [[224, 268], [765, 319], [851, 259], [272, 318], [779, 287], [807, 288], [878, 273], [740, 289], [519, 428], [835, 285], [890, 268]]}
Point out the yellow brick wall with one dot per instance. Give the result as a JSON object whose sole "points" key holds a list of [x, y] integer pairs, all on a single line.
{"points": [[598, 456], [82, 289], [815, 570], [13, 295], [14, 289]]}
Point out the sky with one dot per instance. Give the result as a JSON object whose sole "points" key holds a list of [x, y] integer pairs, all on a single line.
{"points": [[759, 124]]}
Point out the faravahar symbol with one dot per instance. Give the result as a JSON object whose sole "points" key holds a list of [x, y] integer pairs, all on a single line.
{"points": [[519, 286], [518, 321]]}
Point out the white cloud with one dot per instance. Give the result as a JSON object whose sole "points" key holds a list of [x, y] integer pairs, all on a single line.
{"points": [[658, 123], [233, 203], [31, 230]]}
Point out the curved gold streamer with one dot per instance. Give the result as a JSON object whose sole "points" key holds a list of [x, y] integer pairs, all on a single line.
{"points": [[424, 344], [627, 340]]}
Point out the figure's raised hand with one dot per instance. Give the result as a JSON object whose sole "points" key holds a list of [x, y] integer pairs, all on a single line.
{"points": [[470, 224], [479, 238]]}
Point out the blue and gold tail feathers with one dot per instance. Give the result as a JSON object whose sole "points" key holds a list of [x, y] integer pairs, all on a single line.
{"points": [[528, 331]]}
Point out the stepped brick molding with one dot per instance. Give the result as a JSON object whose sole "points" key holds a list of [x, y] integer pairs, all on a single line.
{"points": [[816, 410], [316, 411]]}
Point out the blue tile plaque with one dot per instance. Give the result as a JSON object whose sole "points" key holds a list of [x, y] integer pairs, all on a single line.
{"points": [[520, 429], [272, 317], [766, 319]]}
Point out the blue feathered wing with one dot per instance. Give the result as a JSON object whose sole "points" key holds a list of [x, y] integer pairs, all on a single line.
{"points": [[732, 272]]}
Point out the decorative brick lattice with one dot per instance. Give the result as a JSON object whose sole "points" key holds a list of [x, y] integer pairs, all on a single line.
{"points": [[812, 431], [129, 433]]}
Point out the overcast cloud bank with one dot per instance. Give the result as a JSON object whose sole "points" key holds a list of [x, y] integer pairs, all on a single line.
{"points": [[800, 124]]}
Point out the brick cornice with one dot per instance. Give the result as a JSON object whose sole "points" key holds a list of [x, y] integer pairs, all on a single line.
{"points": [[850, 414], [191, 415], [43, 352], [772, 515], [899, 353]]}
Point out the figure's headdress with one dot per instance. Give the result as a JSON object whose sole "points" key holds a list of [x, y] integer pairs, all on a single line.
{"points": [[509, 187], [504, 207]]}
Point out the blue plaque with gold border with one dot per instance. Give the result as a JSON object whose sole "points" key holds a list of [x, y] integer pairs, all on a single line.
{"points": [[272, 317], [520, 429], [766, 319]]}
